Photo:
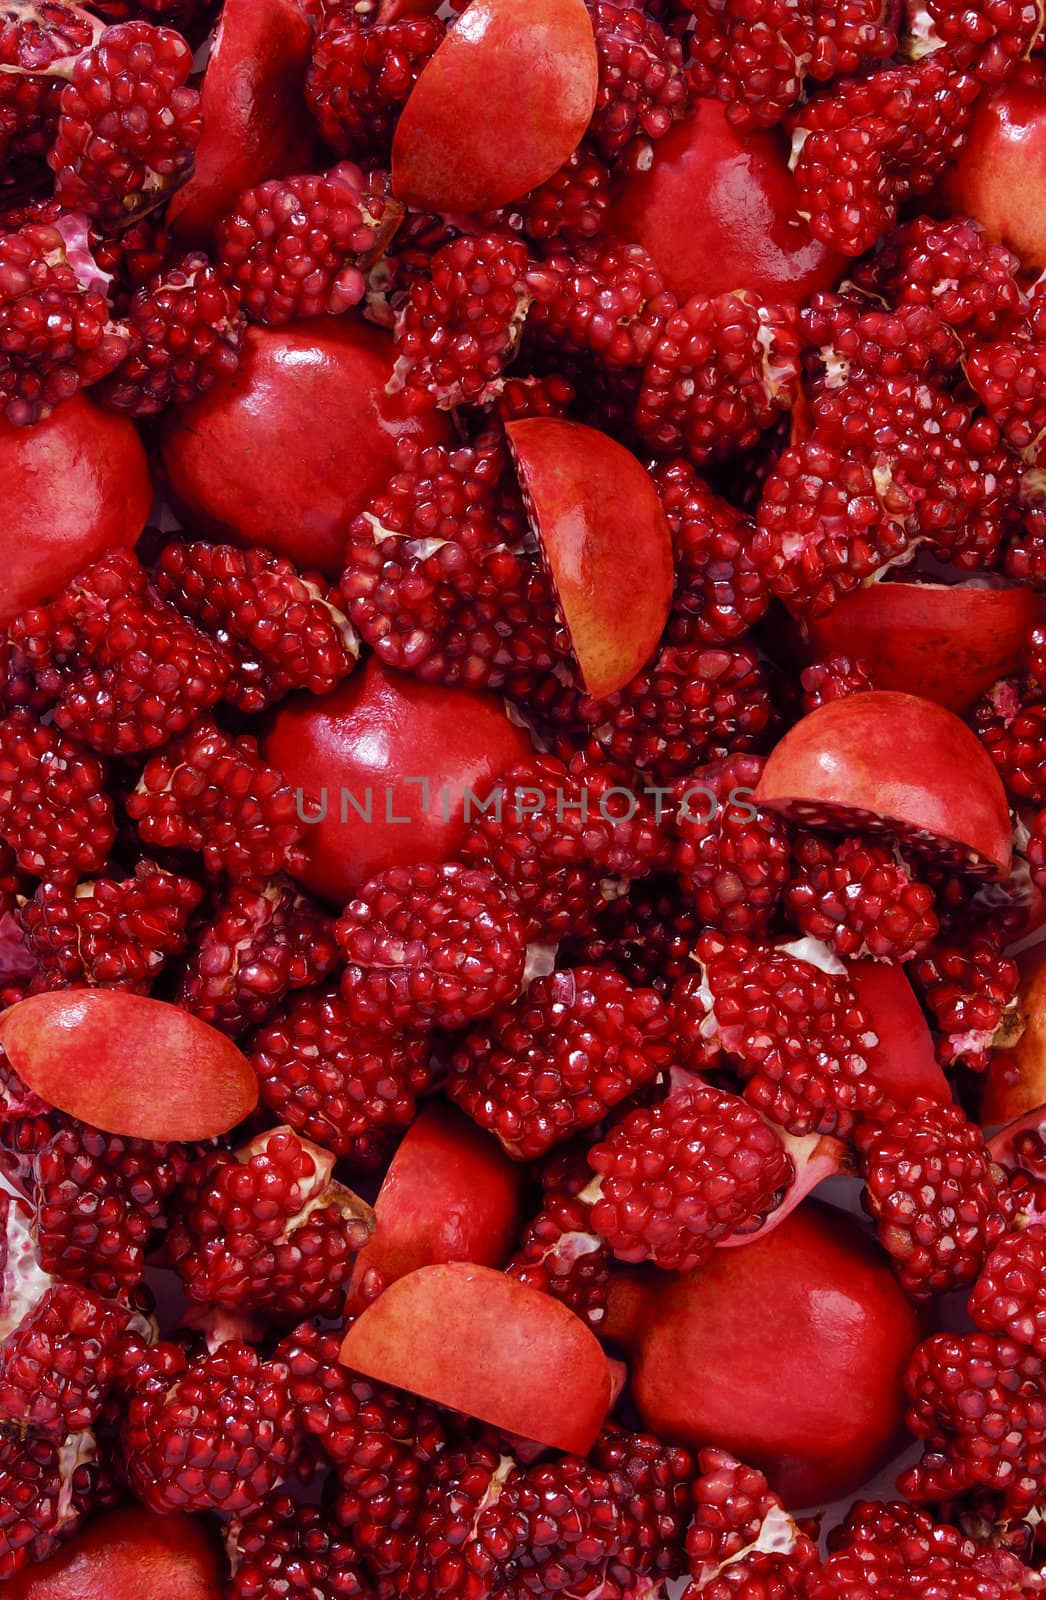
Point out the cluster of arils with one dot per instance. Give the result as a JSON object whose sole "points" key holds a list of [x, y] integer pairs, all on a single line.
{"points": [[692, 591]]}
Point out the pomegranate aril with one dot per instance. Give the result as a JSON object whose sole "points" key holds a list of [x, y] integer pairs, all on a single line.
{"points": [[675, 1181], [283, 630], [109, 933], [574, 1046], [347, 1090], [211, 792], [128, 124], [55, 811], [259, 945]]}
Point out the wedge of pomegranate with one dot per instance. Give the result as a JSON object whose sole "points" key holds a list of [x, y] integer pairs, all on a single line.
{"points": [[129, 1065], [129, 1554], [255, 122], [893, 762], [790, 1353], [606, 542], [499, 108], [476, 1341], [954, 641], [904, 1063], [450, 1194]]}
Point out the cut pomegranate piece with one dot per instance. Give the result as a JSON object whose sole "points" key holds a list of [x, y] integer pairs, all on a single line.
{"points": [[255, 125], [741, 204], [472, 1339], [129, 1065], [461, 143], [998, 178], [1014, 1088], [605, 537], [954, 641], [450, 1194], [894, 763], [903, 1063]]}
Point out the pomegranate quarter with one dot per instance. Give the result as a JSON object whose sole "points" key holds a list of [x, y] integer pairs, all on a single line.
{"points": [[461, 143], [895, 762], [129, 1065], [482, 1343], [606, 542]]}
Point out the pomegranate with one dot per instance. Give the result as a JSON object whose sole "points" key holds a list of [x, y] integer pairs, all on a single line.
{"points": [[744, 229], [133, 1554], [388, 770], [790, 1352], [897, 762], [75, 485], [483, 1343], [306, 413]]}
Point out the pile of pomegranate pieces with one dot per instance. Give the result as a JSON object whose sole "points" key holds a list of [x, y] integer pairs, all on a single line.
{"points": [[522, 800]]}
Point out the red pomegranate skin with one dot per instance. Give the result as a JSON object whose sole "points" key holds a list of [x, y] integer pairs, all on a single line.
{"points": [[74, 485], [743, 229], [396, 760], [790, 1353], [290, 447], [130, 1554]]}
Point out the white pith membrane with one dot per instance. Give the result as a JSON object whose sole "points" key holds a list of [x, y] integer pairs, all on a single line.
{"points": [[78, 1450], [776, 1535], [24, 1282]]}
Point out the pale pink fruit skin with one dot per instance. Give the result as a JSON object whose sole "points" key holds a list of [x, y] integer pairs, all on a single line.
{"points": [[790, 1353], [471, 1338], [1000, 177], [255, 122], [374, 733], [954, 641], [606, 543], [129, 1065], [896, 756], [450, 1194], [130, 1554], [500, 106], [719, 211], [289, 448], [73, 486]]}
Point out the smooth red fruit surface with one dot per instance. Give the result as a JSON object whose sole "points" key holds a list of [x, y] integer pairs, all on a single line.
{"points": [[73, 486], [718, 210], [477, 1341], [255, 123], [953, 641], [128, 1555], [129, 1065], [450, 1194], [904, 1063], [499, 108], [1015, 1083], [291, 446], [897, 758], [790, 1353], [1000, 177], [387, 768], [606, 543]]}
